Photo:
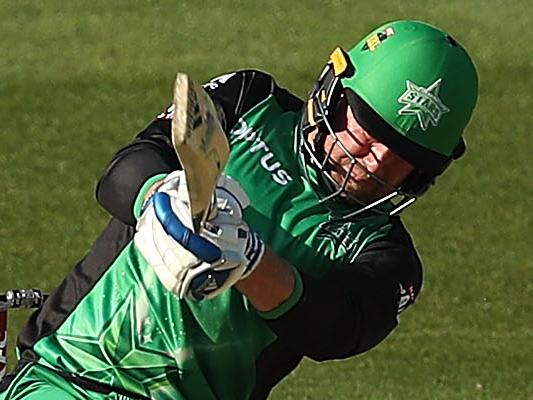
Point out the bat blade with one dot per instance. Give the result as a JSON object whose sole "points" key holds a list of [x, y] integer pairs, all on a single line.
{"points": [[200, 143]]}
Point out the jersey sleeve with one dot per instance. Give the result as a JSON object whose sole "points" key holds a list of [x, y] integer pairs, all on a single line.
{"points": [[151, 152], [354, 306], [238, 92]]}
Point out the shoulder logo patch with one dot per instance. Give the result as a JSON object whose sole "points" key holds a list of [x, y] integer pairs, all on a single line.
{"points": [[424, 103]]}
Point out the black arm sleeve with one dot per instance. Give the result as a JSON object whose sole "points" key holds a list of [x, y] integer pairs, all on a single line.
{"points": [[354, 307], [151, 152], [240, 91]]}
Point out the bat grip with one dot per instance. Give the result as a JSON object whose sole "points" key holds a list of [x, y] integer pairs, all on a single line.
{"points": [[208, 214]]}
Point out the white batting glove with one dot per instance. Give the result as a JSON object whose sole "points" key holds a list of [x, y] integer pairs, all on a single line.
{"points": [[199, 266], [164, 254], [242, 249]]}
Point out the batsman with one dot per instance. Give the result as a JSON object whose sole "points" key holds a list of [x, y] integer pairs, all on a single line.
{"points": [[252, 228]]}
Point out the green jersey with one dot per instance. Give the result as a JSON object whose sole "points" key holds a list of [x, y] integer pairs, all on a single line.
{"points": [[112, 322]]}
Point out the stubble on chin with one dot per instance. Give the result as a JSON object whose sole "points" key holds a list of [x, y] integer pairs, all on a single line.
{"points": [[365, 189]]}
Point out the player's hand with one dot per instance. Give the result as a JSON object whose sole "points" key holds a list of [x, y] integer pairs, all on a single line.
{"points": [[241, 248], [165, 236], [197, 265]]}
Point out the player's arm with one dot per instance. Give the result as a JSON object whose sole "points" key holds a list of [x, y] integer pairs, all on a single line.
{"points": [[152, 153], [271, 285], [349, 310], [196, 262]]}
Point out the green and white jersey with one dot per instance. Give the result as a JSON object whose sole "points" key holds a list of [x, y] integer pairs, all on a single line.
{"points": [[112, 322]]}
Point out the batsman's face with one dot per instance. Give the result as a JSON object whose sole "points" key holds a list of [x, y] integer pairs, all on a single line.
{"points": [[368, 168]]}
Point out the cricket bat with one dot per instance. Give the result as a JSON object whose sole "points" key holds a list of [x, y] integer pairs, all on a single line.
{"points": [[200, 143]]}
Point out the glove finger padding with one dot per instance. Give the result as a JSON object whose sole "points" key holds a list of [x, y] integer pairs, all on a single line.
{"points": [[164, 234], [241, 248], [199, 266]]}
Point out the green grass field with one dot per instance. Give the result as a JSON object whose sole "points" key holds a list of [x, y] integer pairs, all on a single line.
{"points": [[79, 79]]}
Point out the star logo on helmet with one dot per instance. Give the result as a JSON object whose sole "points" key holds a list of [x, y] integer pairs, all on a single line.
{"points": [[424, 103]]}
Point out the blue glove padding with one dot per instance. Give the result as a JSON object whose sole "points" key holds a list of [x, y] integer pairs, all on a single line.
{"points": [[197, 265], [196, 244]]}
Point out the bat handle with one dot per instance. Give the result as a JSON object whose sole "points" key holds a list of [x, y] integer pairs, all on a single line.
{"points": [[210, 213]]}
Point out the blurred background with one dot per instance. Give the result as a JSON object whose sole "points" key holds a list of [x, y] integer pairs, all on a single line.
{"points": [[80, 79]]}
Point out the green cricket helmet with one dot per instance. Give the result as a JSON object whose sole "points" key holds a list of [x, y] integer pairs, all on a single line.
{"points": [[409, 85]]}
